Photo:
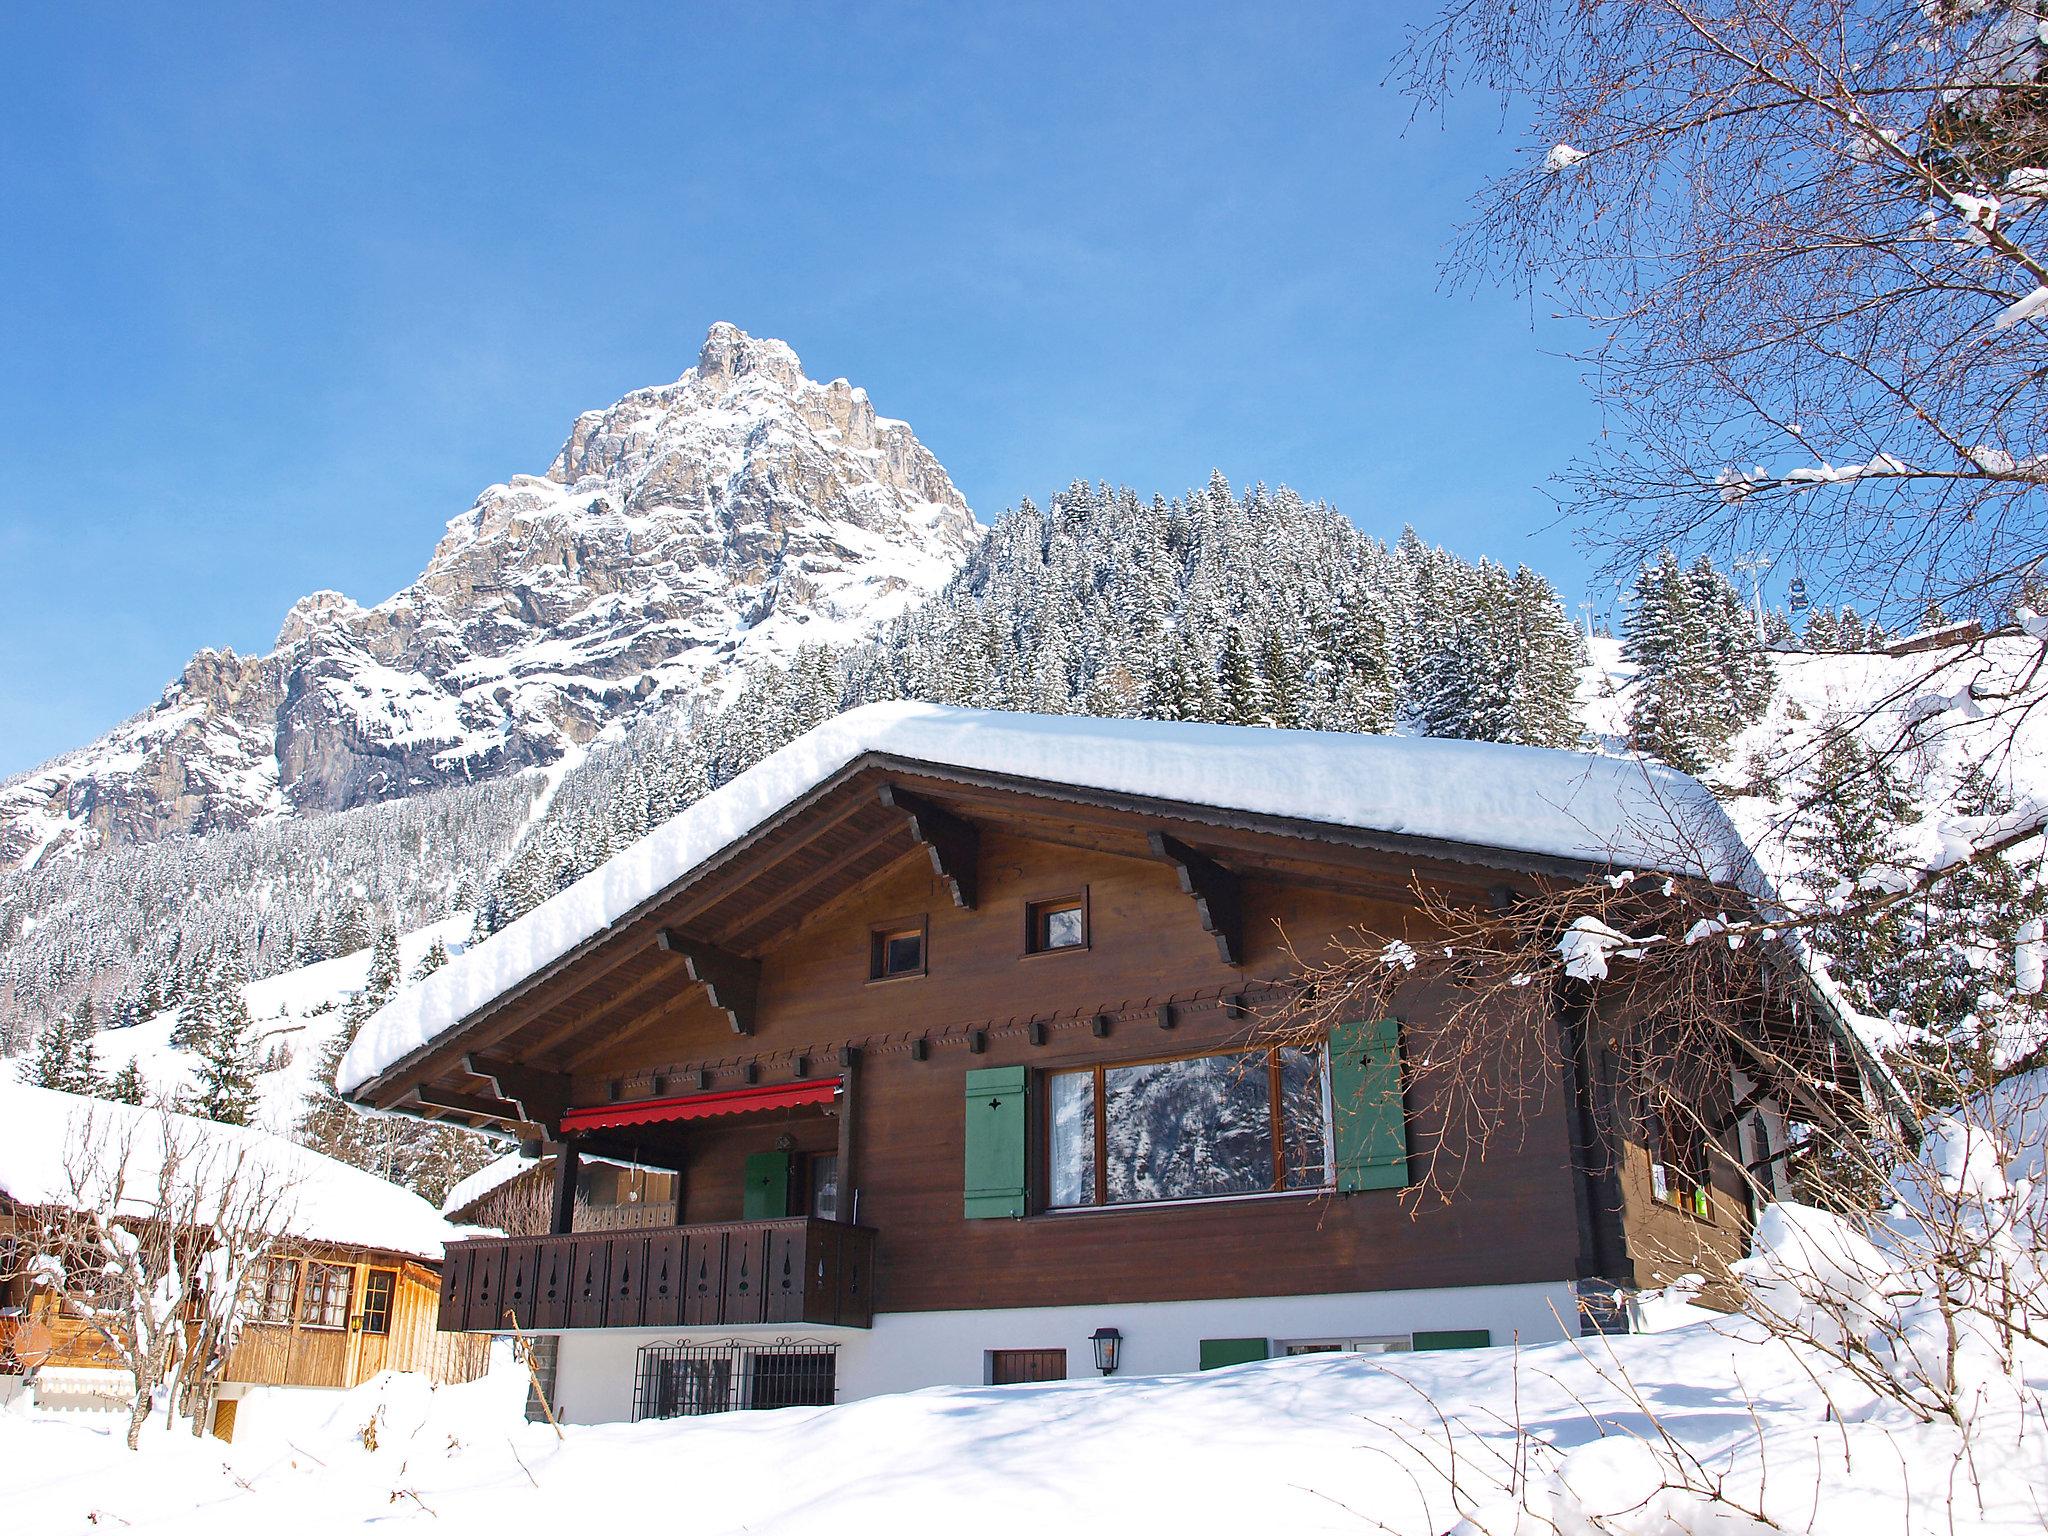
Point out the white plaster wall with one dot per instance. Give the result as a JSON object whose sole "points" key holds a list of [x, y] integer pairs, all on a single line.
{"points": [[908, 1350]]}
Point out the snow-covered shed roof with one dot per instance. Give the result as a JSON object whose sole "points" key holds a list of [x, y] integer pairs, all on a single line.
{"points": [[495, 1174], [62, 1149], [1568, 806]]}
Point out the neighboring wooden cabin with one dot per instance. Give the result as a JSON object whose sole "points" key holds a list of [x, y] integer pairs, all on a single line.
{"points": [[941, 1021], [351, 1287]]}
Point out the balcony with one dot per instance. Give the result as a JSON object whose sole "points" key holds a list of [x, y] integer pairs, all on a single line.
{"points": [[716, 1274]]}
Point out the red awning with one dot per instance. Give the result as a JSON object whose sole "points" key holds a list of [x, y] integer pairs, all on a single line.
{"points": [[695, 1106]]}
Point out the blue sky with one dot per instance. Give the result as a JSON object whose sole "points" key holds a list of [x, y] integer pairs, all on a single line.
{"points": [[286, 287]]}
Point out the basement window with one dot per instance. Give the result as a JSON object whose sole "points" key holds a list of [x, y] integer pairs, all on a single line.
{"points": [[1061, 923], [897, 949]]}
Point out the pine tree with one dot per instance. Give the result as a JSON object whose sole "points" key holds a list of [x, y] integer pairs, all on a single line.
{"points": [[1702, 675], [225, 1087], [1823, 632], [1850, 838], [430, 962], [1951, 985], [127, 1086], [1240, 686], [64, 1051], [383, 973], [1668, 639]]}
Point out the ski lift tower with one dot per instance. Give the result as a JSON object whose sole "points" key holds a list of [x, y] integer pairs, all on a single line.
{"points": [[1756, 564]]}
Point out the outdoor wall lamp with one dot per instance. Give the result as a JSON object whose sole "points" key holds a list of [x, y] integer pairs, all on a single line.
{"points": [[1108, 1344]]}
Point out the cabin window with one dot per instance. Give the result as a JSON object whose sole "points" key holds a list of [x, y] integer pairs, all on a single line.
{"points": [[1061, 923], [1188, 1128], [1678, 1160], [897, 949], [270, 1290], [380, 1289], [323, 1300]]}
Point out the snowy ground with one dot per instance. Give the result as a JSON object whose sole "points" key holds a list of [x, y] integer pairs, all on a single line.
{"points": [[1327, 1443]]}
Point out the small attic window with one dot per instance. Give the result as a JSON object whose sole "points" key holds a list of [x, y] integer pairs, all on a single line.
{"points": [[896, 949], [1059, 923]]}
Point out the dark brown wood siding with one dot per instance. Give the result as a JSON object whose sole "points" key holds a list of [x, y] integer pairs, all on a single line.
{"points": [[1513, 1219]]}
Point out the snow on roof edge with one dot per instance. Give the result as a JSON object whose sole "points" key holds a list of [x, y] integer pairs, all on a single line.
{"points": [[1569, 805], [329, 1201]]}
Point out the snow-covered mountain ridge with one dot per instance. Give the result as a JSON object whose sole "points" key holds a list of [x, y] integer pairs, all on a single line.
{"points": [[679, 534]]}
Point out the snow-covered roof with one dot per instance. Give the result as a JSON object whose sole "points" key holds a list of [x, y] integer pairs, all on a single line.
{"points": [[499, 1172], [46, 1137], [495, 1174], [1566, 805]]}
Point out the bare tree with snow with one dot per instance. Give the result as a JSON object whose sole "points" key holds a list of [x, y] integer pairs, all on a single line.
{"points": [[149, 1249]]}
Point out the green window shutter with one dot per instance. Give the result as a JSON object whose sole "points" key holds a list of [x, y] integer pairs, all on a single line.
{"points": [[1218, 1352], [1455, 1338], [767, 1186], [996, 1121], [1369, 1123]]}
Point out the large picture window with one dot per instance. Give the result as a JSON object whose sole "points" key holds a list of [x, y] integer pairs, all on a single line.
{"points": [[1189, 1128]]}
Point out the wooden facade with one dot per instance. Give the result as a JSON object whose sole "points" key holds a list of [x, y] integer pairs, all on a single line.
{"points": [[345, 1314], [765, 966]]}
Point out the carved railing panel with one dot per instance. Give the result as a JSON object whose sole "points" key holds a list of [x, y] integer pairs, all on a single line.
{"points": [[710, 1274]]}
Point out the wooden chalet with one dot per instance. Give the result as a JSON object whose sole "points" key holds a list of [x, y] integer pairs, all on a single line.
{"points": [[938, 1024], [351, 1286]]}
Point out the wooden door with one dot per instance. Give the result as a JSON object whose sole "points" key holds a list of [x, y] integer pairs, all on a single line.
{"points": [[1009, 1366]]}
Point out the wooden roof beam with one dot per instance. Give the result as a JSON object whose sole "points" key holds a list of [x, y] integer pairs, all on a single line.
{"points": [[954, 845], [732, 982], [469, 1106], [1216, 892], [537, 1097]]}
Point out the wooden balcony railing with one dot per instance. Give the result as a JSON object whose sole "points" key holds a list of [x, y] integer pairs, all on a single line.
{"points": [[714, 1274]]}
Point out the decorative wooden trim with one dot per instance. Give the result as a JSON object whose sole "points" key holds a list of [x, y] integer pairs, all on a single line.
{"points": [[437, 1101], [539, 1097], [732, 982], [954, 845], [1216, 892]]}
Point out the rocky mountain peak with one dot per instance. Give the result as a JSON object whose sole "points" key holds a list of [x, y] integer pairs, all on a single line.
{"points": [[313, 612], [729, 354], [680, 532]]}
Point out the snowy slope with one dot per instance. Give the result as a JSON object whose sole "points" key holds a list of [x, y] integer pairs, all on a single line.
{"points": [[297, 1013], [679, 534], [1917, 710]]}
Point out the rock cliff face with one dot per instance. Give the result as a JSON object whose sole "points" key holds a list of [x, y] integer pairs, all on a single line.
{"points": [[679, 534]]}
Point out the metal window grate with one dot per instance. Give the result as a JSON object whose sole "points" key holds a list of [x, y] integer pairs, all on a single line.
{"points": [[677, 1379]]}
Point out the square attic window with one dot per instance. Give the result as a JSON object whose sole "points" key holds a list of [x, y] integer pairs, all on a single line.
{"points": [[897, 949], [1061, 923]]}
